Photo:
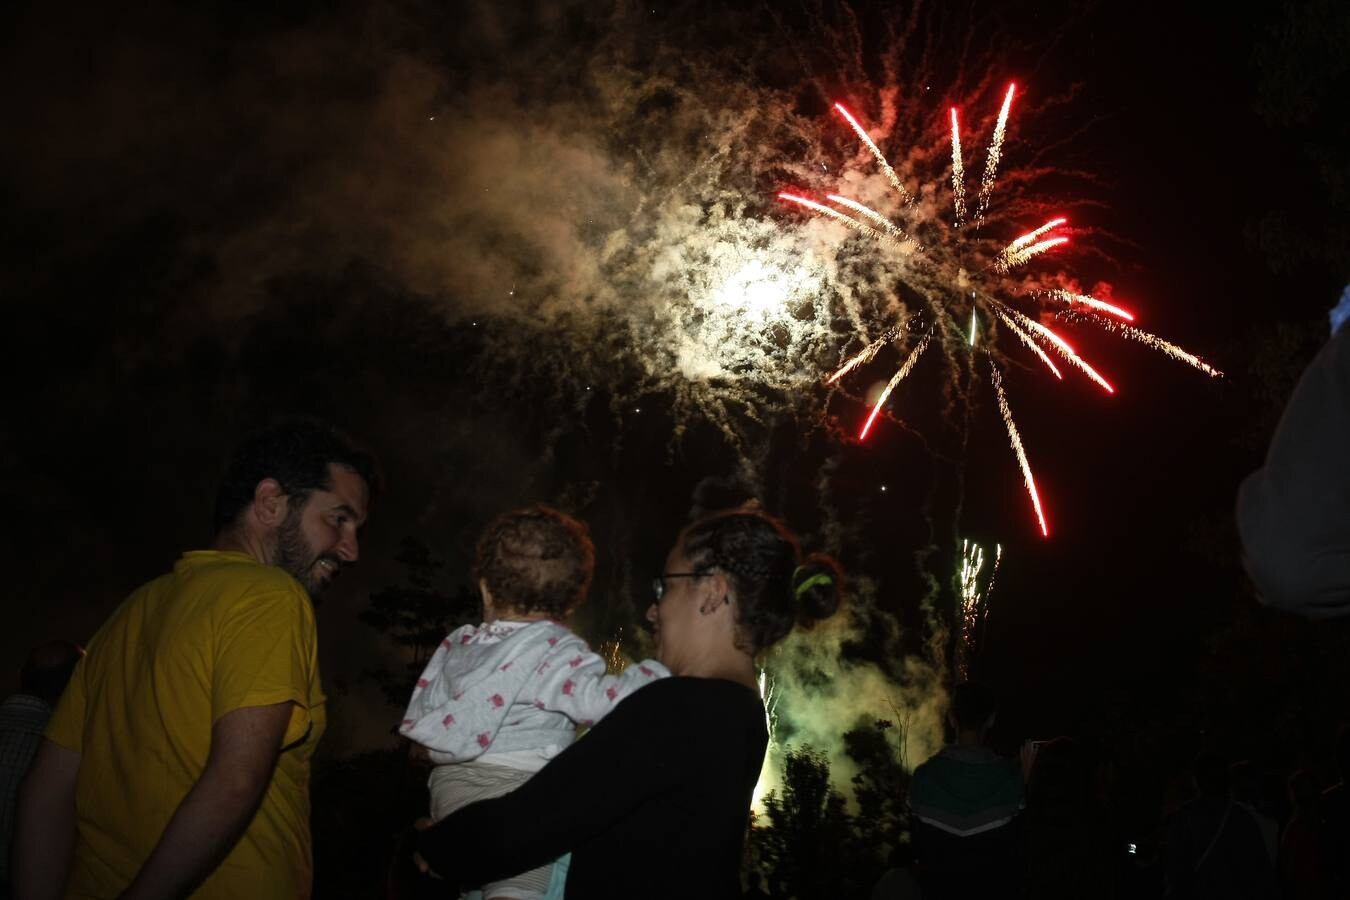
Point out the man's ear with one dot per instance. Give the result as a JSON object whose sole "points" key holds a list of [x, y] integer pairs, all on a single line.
{"points": [[270, 503]]}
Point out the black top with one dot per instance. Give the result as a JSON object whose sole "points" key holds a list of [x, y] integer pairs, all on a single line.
{"points": [[1294, 513], [652, 802]]}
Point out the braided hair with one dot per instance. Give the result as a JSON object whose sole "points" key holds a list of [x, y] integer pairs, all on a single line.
{"points": [[775, 587]]}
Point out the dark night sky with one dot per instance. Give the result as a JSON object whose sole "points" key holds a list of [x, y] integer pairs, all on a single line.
{"points": [[144, 151]]}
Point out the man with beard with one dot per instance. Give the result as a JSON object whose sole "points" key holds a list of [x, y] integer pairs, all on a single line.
{"points": [[177, 762]]}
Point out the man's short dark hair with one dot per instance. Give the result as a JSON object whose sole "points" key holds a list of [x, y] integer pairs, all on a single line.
{"points": [[972, 705], [297, 455]]}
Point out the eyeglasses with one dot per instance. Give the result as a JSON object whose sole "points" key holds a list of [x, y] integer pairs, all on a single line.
{"points": [[659, 582]]}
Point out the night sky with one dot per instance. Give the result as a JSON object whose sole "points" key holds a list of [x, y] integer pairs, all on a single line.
{"points": [[212, 217]]}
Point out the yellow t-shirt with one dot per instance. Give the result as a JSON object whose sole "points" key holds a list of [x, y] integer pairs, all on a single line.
{"points": [[219, 633]]}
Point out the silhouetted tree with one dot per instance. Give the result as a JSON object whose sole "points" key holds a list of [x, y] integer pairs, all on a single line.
{"points": [[807, 840], [414, 616], [880, 788]]}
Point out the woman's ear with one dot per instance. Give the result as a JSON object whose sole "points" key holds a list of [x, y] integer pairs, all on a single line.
{"points": [[717, 594]]}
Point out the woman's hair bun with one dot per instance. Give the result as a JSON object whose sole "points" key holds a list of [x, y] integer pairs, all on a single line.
{"points": [[817, 588]]}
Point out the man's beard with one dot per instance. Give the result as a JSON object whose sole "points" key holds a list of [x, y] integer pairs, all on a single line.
{"points": [[295, 557]]}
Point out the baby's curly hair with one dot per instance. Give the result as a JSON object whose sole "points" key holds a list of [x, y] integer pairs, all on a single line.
{"points": [[536, 559]]}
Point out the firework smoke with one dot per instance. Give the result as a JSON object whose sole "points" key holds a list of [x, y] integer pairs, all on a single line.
{"points": [[821, 694]]}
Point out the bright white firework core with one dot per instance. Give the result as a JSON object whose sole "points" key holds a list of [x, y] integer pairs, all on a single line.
{"points": [[762, 289]]}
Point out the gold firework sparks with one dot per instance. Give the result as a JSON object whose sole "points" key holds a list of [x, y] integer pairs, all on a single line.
{"points": [[1061, 346], [836, 215], [958, 174], [876, 153], [1028, 478], [898, 377], [1028, 341], [995, 154], [886, 224]]}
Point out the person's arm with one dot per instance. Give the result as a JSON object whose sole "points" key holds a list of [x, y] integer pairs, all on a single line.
{"points": [[245, 744], [44, 835], [640, 745], [1294, 513], [576, 684]]}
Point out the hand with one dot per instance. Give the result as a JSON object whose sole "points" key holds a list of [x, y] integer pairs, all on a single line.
{"points": [[423, 824]]}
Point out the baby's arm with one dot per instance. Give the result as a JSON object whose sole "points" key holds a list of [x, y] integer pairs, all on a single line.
{"points": [[573, 681]]}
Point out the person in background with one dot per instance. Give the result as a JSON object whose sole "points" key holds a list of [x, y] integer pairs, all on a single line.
{"points": [[1212, 847], [1244, 780], [1294, 512], [42, 679], [963, 804], [1335, 811], [1069, 851]]}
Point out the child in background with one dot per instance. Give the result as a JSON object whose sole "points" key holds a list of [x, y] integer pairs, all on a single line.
{"points": [[499, 700]]}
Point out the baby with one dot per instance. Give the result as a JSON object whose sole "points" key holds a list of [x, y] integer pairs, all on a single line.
{"points": [[499, 700]]}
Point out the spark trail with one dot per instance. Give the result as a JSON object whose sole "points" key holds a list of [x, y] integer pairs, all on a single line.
{"points": [[1072, 299], [1016, 439], [835, 214], [876, 153], [896, 379], [995, 154], [958, 174]]}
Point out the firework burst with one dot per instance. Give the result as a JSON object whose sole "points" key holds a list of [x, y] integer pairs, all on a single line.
{"points": [[955, 265]]}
